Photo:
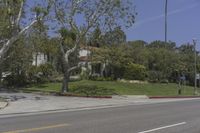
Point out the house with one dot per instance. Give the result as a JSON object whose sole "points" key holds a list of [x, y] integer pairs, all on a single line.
{"points": [[85, 62], [85, 56], [85, 53], [39, 59]]}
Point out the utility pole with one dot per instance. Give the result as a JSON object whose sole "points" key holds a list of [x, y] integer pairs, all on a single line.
{"points": [[166, 15], [166, 10], [195, 67]]}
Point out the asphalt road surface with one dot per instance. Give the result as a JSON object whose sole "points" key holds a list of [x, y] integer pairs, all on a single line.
{"points": [[172, 117]]}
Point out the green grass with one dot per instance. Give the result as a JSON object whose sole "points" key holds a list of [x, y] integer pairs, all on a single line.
{"points": [[149, 89]]}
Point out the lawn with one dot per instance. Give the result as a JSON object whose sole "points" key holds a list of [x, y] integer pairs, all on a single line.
{"points": [[149, 89]]}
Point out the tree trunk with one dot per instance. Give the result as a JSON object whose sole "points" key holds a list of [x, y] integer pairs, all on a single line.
{"points": [[65, 84], [65, 67], [0, 77], [36, 59]]}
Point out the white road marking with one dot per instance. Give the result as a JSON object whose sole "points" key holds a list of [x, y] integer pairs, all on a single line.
{"points": [[164, 127]]}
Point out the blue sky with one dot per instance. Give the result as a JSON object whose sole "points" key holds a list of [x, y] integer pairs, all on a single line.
{"points": [[183, 21]]}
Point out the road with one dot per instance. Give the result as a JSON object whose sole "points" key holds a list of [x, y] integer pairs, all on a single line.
{"points": [[172, 117]]}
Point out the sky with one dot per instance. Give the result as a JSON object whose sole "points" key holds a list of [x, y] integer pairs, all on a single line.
{"points": [[183, 21]]}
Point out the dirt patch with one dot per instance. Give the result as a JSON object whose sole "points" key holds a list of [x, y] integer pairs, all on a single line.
{"points": [[133, 81]]}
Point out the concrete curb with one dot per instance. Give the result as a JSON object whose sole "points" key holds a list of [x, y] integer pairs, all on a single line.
{"points": [[174, 97]]}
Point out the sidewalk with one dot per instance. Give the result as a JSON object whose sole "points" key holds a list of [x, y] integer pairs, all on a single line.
{"points": [[30, 103]]}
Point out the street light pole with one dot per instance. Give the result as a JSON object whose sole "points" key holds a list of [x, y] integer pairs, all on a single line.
{"points": [[166, 7], [195, 67]]}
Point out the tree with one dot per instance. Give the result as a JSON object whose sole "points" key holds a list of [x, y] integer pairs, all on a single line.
{"points": [[18, 63], [95, 39], [105, 14], [39, 41], [11, 29], [138, 52], [11, 26], [115, 58], [162, 59], [114, 37], [186, 61]]}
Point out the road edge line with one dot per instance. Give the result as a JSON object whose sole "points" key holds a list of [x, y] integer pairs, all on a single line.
{"points": [[163, 127]]}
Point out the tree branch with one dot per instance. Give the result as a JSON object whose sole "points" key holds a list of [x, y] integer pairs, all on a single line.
{"points": [[3, 41], [71, 50], [73, 68], [61, 20], [71, 20], [94, 15], [61, 46], [9, 43], [20, 13]]}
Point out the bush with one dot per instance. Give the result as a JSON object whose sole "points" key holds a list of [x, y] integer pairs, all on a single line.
{"points": [[41, 74], [156, 77], [32, 71], [94, 77], [135, 72], [165, 81], [98, 78], [92, 90], [84, 74], [46, 69], [153, 76], [15, 80]]}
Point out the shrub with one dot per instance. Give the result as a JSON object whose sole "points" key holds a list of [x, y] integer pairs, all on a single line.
{"points": [[94, 77], [15, 80], [32, 71], [165, 81], [157, 76], [92, 90], [98, 78], [40, 74], [153, 76], [46, 69], [84, 74], [135, 72]]}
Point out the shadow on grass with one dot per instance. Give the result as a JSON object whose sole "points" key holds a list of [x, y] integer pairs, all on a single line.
{"points": [[92, 90], [41, 86]]}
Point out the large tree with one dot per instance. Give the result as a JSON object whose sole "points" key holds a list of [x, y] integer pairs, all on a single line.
{"points": [[11, 29], [11, 25], [114, 37], [82, 17]]}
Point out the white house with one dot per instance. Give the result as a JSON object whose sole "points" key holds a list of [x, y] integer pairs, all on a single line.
{"points": [[39, 59], [84, 61]]}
